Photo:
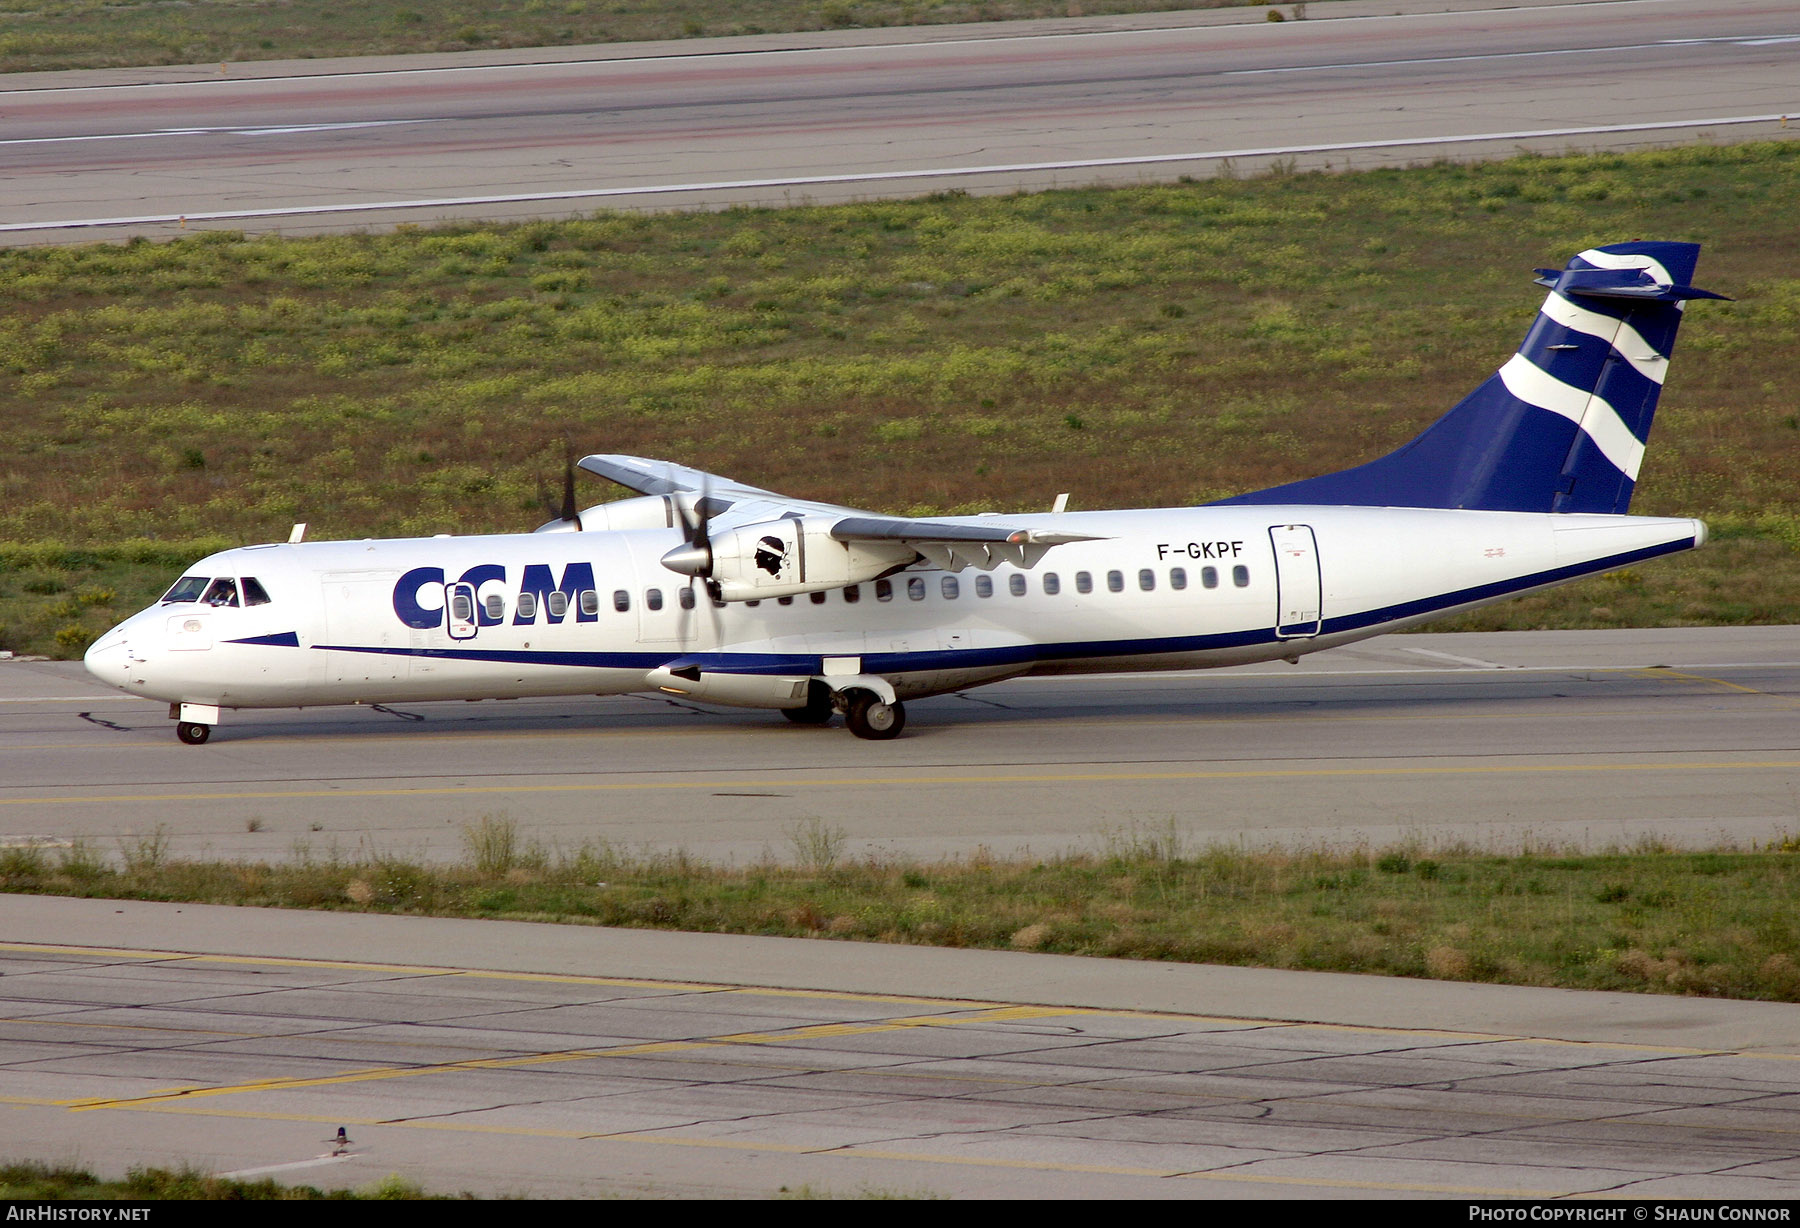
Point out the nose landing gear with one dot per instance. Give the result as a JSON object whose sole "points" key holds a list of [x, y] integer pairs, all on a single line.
{"points": [[194, 722]]}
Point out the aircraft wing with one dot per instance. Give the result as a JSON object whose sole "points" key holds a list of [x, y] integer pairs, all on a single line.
{"points": [[654, 477], [955, 546], [730, 503]]}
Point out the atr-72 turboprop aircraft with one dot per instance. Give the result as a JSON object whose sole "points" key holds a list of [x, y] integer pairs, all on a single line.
{"points": [[729, 594]]}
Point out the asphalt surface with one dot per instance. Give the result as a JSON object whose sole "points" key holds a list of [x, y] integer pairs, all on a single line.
{"points": [[1586, 738], [505, 1058], [317, 145]]}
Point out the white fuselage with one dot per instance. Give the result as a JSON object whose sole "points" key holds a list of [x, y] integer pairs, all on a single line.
{"points": [[442, 618]]}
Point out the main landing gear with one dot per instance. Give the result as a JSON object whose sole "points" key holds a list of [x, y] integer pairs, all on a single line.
{"points": [[818, 709], [867, 716], [865, 713], [192, 732]]}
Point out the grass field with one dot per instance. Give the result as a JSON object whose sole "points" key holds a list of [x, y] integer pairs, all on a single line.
{"points": [[1716, 923], [52, 34], [28, 1181], [1136, 346]]}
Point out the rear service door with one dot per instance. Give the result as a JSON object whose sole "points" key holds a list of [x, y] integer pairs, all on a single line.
{"points": [[1296, 581]]}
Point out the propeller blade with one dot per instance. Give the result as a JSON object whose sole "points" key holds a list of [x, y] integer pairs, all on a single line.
{"points": [[694, 557], [568, 517], [570, 512]]}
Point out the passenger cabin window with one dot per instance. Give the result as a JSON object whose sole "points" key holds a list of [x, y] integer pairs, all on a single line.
{"points": [[590, 602], [558, 602], [884, 590], [853, 594], [653, 598], [1084, 583], [188, 588], [984, 586], [817, 598], [1209, 577], [1147, 580], [1015, 584], [496, 607], [1052, 584], [462, 607], [254, 593], [950, 588], [684, 597], [784, 601], [222, 593], [1240, 576], [1115, 581], [621, 600], [1177, 577], [527, 607], [915, 588]]}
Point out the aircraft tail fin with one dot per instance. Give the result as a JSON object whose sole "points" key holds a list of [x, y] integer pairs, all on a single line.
{"points": [[1562, 426]]}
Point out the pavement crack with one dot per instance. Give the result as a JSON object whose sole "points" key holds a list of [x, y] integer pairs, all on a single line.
{"points": [[981, 699]]}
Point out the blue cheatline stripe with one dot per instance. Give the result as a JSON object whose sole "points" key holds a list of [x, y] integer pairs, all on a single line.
{"points": [[1021, 655]]}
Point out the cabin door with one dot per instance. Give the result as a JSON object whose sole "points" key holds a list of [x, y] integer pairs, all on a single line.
{"points": [[1297, 586]]}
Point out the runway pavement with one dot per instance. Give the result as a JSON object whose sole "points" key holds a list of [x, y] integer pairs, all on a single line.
{"points": [[506, 1058], [1690, 736], [510, 1058], [313, 145]]}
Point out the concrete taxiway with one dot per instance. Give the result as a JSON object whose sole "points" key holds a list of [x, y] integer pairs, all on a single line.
{"points": [[1689, 736], [507, 1058], [344, 144], [512, 1058]]}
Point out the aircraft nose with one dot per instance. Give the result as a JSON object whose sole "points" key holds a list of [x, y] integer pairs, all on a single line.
{"points": [[108, 659]]}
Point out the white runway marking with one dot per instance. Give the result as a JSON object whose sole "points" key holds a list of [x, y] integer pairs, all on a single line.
{"points": [[243, 1173], [1450, 656], [794, 181], [138, 136]]}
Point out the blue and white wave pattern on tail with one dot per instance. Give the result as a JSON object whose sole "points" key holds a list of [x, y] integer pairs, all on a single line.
{"points": [[1563, 425]]}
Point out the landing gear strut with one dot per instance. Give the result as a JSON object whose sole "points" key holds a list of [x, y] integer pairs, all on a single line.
{"points": [[192, 732], [868, 717], [818, 708]]}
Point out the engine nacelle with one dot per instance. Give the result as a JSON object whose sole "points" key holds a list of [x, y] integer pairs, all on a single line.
{"points": [[643, 512], [780, 558]]}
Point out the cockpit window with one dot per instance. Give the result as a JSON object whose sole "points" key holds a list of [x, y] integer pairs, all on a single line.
{"points": [[223, 592], [254, 593], [188, 588]]}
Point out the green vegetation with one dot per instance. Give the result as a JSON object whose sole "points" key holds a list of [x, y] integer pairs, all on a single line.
{"points": [[1149, 345], [1650, 918], [46, 34], [35, 1182]]}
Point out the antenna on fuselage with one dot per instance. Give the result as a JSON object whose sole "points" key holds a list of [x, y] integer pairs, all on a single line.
{"points": [[297, 534], [1061, 505]]}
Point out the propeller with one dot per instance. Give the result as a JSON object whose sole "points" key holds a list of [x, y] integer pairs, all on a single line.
{"points": [[694, 557], [568, 517]]}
